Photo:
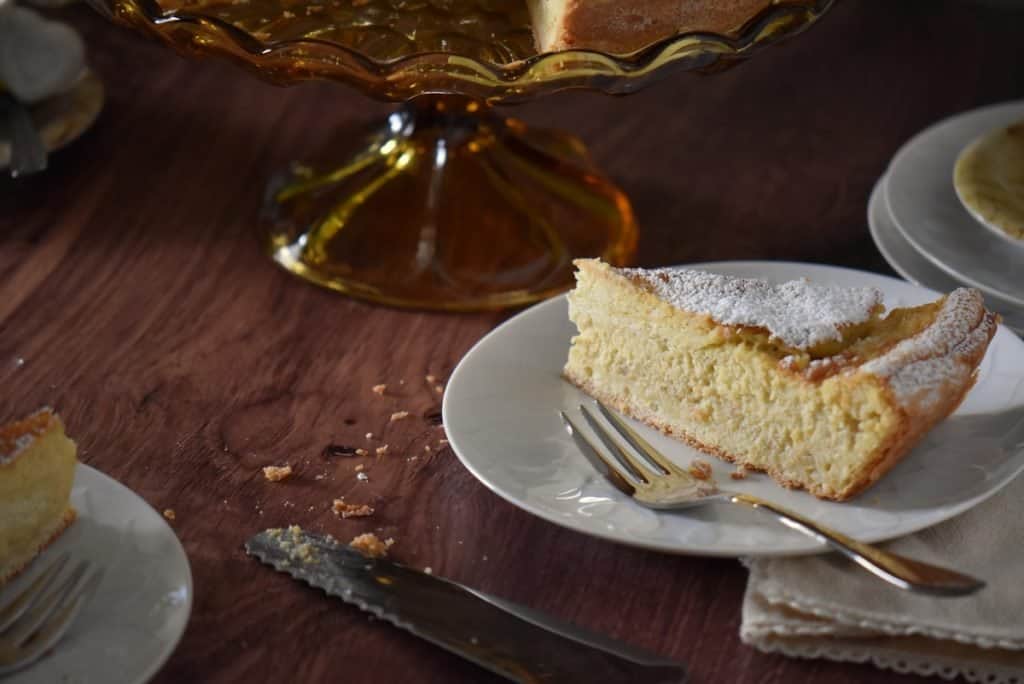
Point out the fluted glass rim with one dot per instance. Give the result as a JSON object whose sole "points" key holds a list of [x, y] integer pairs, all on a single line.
{"points": [[292, 61]]}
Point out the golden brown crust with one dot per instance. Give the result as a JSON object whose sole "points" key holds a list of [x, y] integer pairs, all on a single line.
{"points": [[917, 419], [14, 437], [70, 515]]}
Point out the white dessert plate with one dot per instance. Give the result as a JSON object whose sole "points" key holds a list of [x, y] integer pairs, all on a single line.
{"points": [[926, 209], [909, 263], [500, 412], [138, 614]]}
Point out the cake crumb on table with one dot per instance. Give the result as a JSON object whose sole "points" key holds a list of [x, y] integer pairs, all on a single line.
{"points": [[370, 545], [359, 467], [432, 379], [361, 452], [346, 510], [369, 435], [277, 473], [381, 450], [380, 389], [438, 388], [700, 469], [398, 415], [169, 514]]}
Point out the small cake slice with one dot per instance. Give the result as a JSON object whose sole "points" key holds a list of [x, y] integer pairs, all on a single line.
{"points": [[37, 469], [810, 383], [623, 27]]}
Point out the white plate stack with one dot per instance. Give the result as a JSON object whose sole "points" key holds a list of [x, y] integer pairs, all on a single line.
{"points": [[923, 229]]}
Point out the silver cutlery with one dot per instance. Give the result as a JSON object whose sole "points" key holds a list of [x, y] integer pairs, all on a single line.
{"points": [[512, 640], [28, 153], [35, 619], [654, 481]]}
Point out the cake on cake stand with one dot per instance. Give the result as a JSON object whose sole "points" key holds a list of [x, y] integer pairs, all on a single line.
{"points": [[449, 205]]}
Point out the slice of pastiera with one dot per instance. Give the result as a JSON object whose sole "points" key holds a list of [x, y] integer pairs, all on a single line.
{"points": [[810, 383], [37, 469], [618, 27]]}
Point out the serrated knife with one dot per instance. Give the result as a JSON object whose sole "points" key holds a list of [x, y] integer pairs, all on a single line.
{"points": [[512, 640]]}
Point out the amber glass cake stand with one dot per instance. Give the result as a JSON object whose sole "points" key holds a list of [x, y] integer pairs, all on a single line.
{"points": [[448, 205]]}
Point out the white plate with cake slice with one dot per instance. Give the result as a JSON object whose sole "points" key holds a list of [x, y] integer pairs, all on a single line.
{"points": [[501, 414], [138, 614]]}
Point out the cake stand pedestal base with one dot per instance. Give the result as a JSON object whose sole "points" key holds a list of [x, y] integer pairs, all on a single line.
{"points": [[449, 207]]}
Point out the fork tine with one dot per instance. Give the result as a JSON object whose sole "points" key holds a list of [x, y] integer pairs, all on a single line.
{"points": [[29, 623], [596, 459], [623, 456], [31, 593], [56, 626], [642, 446]]}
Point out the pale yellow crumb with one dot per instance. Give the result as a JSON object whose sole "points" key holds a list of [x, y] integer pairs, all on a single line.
{"points": [[381, 450], [432, 380], [428, 570], [380, 389], [700, 469], [277, 473], [359, 467], [287, 15], [438, 389], [426, 447], [361, 452], [398, 415], [169, 514], [442, 442], [369, 435], [346, 510], [371, 546]]}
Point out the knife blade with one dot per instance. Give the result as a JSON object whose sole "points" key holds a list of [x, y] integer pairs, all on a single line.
{"points": [[520, 643]]}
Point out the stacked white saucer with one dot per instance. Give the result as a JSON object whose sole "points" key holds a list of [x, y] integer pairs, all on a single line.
{"points": [[926, 233]]}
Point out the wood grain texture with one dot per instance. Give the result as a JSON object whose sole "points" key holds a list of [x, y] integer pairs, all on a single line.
{"points": [[183, 361]]}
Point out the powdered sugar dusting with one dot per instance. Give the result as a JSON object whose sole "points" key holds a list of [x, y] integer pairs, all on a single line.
{"points": [[920, 368], [799, 313], [16, 438]]}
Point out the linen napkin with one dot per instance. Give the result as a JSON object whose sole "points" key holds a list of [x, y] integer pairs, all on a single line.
{"points": [[822, 607]]}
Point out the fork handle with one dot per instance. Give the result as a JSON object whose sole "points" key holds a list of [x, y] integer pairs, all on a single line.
{"points": [[900, 571]]}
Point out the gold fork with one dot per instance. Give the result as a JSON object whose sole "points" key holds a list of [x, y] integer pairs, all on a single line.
{"points": [[34, 620], [652, 480]]}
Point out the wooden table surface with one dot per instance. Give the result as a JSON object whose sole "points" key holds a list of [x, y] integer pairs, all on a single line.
{"points": [[183, 360]]}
